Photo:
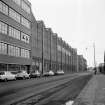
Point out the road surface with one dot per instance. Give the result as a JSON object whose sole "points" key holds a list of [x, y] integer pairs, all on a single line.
{"points": [[40, 90]]}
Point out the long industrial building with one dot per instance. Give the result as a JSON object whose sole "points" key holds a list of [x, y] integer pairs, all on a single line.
{"points": [[27, 44]]}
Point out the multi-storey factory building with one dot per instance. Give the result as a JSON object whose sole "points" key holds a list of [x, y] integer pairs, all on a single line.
{"points": [[26, 44], [15, 34]]}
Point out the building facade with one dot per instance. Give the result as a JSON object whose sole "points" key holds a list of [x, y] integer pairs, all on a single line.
{"points": [[15, 35]]}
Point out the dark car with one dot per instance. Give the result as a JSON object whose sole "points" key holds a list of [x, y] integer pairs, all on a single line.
{"points": [[35, 74], [22, 74]]}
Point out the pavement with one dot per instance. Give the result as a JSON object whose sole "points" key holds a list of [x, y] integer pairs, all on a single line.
{"points": [[93, 93]]}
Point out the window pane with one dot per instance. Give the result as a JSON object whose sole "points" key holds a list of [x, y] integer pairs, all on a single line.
{"points": [[22, 52], [25, 22], [25, 7], [25, 53], [17, 51], [3, 48], [14, 15], [3, 8], [14, 33], [3, 28], [10, 49], [3, 67]]}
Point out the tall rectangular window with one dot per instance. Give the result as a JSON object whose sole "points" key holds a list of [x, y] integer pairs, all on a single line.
{"points": [[10, 50], [3, 48], [13, 51], [14, 15], [3, 28], [22, 53], [25, 22], [25, 53], [17, 52], [3, 8], [14, 33]]}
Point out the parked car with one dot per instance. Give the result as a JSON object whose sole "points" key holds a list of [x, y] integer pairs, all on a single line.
{"points": [[7, 75], [51, 73], [48, 73], [35, 74], [59, 72], [22, 75]]}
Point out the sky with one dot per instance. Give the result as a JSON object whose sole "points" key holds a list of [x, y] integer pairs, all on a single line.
{"points": [[81, 23]]}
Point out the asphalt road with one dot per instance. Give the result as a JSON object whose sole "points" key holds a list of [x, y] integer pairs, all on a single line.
{"points": [[16, 91]]}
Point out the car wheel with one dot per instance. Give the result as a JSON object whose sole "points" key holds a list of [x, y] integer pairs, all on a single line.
{"points": [[15, 78], [24, 77], [5, 79]]}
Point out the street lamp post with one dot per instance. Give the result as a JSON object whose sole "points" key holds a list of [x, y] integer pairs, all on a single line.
{"points": [[50, 49], [42, 47], [94, 58], [104, 61], [61, 54]]}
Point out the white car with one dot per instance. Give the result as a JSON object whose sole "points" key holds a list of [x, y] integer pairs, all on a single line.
{"points": [[22, 74], [7, 75], [48, 73], [59, 72], [51, 73]]}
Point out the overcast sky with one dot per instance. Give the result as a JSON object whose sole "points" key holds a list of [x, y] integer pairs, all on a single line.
{"points": [[79, 22]]}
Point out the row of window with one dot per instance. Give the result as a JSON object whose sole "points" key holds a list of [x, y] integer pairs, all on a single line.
{"points": [[12, 67], [63, 50], [23, 5], [14, 15], [14, 32], [25, 22], [13, 50]]}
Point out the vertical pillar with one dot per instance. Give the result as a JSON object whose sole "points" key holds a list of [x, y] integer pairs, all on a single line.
{"points": [[7, 67]]}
